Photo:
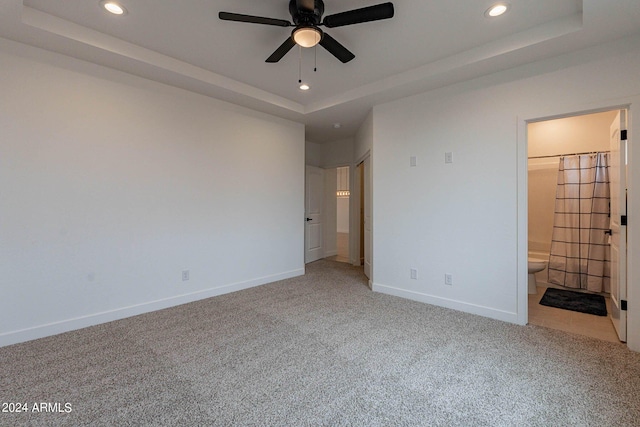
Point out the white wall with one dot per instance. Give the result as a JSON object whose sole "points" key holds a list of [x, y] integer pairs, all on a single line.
{"points": [[330, 154], [364, 139], [313, 154], [111, 186], [337, 153], [343, 215], [585, 133], [468, 218]]}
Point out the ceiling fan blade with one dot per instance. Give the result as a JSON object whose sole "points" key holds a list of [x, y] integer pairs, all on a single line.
{"points": [[357, 16], [237, 17], [282, 50], [306, 5], [336, 49]]}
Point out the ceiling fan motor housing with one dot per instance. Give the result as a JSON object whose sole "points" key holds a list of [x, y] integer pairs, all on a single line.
{"points": [[303, 17]]}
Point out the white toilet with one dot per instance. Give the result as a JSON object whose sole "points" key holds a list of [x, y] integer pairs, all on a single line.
{"points": [[535, 265]]}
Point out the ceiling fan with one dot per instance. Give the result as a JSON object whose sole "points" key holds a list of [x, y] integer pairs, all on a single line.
{"points": [[307, 18]]}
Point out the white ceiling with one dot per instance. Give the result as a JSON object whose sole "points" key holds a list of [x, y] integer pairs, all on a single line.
{"points": [[428, 44]]}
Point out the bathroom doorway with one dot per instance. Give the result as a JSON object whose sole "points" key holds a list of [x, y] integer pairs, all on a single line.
{"points": [[548, 142]]}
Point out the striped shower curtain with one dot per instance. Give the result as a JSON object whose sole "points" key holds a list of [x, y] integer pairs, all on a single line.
{"points": [[580, 252]]}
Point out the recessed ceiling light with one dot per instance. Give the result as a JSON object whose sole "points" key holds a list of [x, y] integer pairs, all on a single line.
{"points": [[496, 10], [304, 86], [113, 7], [337, 125]]}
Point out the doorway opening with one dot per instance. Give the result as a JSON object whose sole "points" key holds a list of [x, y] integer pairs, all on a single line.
{"points": [[343, 195], [561, 241]]}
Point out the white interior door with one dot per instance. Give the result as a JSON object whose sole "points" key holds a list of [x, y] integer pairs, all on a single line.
{"points": [[617, 177], [314, 195], [367, 218]]}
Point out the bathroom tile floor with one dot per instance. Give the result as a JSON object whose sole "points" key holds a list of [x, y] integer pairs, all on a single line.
{"points": [[570, 321]]}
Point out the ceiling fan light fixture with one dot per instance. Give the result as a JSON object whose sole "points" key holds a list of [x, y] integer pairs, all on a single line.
{"points": [[497, 10], [307, 36], [113, 7]]}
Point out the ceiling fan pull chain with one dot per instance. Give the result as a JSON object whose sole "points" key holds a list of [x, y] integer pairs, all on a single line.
{"points": [[315, 58], [299, 64]]}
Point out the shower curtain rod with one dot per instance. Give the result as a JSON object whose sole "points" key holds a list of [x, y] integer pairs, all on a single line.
{"points": [[564, 155]]}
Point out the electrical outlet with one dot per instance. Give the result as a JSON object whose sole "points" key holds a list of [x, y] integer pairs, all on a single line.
{"points": [[413, 161], [448, 279], [185, 275], [414, 273]]}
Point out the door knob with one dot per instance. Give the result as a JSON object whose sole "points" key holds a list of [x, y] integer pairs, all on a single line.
{"points": [[309, 219]]}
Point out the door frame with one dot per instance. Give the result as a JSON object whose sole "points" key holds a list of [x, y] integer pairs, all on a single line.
{"points": [[618, 233], [633, 233], [354, 213]]}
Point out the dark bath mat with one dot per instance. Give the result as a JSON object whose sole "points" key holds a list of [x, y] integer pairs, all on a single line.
{"points": [[575, 301]]}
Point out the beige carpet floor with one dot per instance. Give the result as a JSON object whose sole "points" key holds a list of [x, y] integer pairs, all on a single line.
{"points": [[319, 350]]}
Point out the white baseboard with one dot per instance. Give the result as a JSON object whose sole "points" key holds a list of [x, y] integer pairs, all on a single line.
{"points": [[67, 325], [330, 253], [492, 313]]}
